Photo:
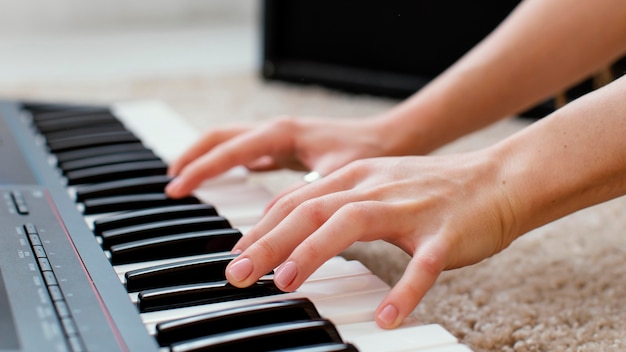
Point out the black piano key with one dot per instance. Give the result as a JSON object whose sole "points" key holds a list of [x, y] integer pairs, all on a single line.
{"points": [[117, 158], [87, 128], [144, 216], [202, 293], [174, 246], [71, 123], [113, 172], [98, 151], [162, 228], [132, 202], [193, 271], [136, 185], [92, 140], [43, 112], [325, 347], [267, 338], [238, 318]]}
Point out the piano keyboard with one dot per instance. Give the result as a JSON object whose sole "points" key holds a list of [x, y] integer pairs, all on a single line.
{"points": [[95, 258]]}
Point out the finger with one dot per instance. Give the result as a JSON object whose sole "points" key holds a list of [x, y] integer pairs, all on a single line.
{"points": [[264, 163], [281, 194], [239, 150], [420, 275], [355, 221], [267, 252], [209, 140], [286, 204]]}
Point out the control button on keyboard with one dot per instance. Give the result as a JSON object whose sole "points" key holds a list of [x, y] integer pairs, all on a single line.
{"points": [[34, 240], [55, 293], [44, 264], [39, 251], [50, 278], [62, 309], [69, 326], [76, 344], [30, 228], [19, 202]]}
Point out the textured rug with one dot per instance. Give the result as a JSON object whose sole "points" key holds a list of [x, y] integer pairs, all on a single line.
{"points": [[558, 288]]}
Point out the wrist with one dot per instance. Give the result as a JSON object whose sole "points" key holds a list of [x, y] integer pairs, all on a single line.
{"points": [[411, 128]]}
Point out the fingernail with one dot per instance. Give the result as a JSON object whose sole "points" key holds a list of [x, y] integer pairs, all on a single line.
{"points": [[388, 314], [173, 186], [285, 274], [241, 269]]}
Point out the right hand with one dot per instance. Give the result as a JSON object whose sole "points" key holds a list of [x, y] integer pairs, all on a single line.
{"points": [[323, 145]]}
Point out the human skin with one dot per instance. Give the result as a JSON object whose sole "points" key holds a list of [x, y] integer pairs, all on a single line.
{"points": [[530, 56], [446, 211]]}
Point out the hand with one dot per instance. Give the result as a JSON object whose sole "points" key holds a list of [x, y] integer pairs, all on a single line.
{"points": [[447, 212], [300, 144]]}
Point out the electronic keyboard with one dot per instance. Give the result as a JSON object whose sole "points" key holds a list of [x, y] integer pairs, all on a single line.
{"points": [[95, 257]]}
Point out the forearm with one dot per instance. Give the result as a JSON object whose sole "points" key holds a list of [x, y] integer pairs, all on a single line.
{"points": [[570, 160], [543, 47]]}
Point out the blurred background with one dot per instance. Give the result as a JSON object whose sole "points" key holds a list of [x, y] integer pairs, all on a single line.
{"points": [[45, 40]]}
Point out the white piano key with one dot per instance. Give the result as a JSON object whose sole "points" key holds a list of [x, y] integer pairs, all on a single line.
{"points": [[368, 337], [457, 347], [358, 307], [339, 267], [157, 126], [162, 130]]}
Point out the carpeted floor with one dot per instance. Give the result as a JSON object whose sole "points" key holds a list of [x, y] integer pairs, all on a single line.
{"points": [[559, 288]]}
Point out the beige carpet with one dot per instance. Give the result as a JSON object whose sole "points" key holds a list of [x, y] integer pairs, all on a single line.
{"points": [[559, 288]]}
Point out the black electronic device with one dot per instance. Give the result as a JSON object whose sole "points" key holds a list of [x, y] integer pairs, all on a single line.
{"points": [[379, 47]]}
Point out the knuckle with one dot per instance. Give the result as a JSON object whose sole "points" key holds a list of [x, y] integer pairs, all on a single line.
{"points": [[267, 250], [429, 263], [308, 249], [286, 204], [357, 212], [283, 123], [313, 211], [410, 292], [357, 169]]}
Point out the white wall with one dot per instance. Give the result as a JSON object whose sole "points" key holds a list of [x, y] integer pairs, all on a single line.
{"points": [[60, 40], [28, 16]]}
